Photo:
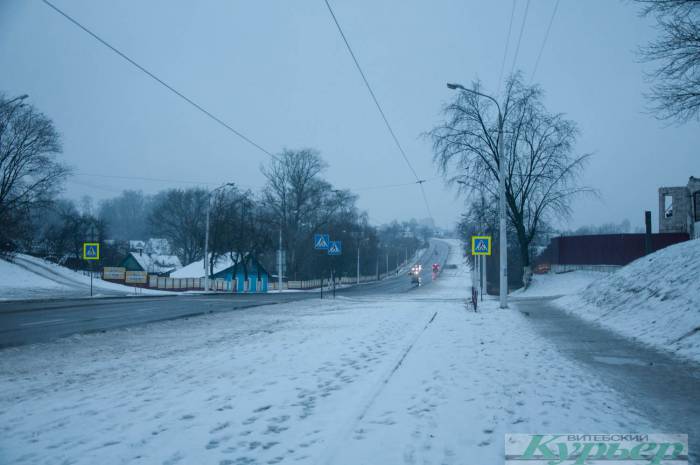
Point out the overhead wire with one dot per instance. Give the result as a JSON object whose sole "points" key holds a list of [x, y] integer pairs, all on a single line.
{"points": [[544, 41], [505, 51], [222, 123], [160, 81], [249, 186], [418, 181], [520, 37]]}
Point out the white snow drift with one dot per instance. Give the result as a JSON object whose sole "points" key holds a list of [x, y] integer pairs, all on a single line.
{"points": [[559, 284], [655, 299], [30, 277]]}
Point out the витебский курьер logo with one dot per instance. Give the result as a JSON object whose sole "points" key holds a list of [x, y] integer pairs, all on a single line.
{"points": [[609, 449]]}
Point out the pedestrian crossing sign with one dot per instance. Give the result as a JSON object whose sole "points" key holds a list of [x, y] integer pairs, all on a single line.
{"points": [[335, 248], [481, 245], [91, 251], [321, 241]]}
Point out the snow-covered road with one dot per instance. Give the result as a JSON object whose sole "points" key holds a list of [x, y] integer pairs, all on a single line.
{"points": [[411, 378]]}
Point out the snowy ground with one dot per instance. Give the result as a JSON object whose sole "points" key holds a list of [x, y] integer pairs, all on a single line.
{"points": [[655, 299], [414, 378], [559, 284], [18, 283], [29, 277]]}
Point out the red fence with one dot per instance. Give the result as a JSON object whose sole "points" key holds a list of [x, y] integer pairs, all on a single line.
{"points": [[603, 249]]}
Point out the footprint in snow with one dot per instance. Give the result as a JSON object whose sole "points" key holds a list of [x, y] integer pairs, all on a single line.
{"points": [[219, 427]]}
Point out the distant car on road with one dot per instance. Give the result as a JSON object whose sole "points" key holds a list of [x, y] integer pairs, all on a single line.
{"points": [[415, 274], [436, 270]]}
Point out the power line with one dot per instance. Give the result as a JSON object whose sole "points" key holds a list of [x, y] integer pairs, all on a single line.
{"points": [[183, 181], [520, 36], [379, 107], [390, 186], [159, 80], [546, 36], [505, 52]]}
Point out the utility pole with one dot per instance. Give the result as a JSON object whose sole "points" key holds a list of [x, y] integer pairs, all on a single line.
{"points": [[206, 247], [503, 240], [358, 261], [279, 265], [92, 239], [484, 286]]}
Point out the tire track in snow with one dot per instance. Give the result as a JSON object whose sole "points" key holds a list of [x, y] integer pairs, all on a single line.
{"points": [[333, 446]]}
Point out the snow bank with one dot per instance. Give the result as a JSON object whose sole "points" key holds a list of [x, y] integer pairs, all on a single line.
{"points": [[559, 284], [33, 278], [16, 282], [655, 299]]}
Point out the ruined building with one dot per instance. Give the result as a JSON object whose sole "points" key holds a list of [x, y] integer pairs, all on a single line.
{"points": [[679, 208]]}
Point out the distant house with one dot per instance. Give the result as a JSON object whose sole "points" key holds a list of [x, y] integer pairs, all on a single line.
{"points": [[679, 209], [161, 265], [137, 246], [227, 269], [157, 246]]}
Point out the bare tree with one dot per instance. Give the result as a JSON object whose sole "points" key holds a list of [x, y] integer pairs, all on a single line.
{"points": [[300, 202], [239, 228], [541, 169], [30, 174], [675, 94], [126, 215], [179, 215]]}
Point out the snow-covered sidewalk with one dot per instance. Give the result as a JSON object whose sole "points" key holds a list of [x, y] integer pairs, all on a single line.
{"points": [[654, 300], [414, 378]]}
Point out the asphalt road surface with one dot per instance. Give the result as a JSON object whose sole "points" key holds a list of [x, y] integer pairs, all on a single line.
{"points": [[663, 388], [25, 322]]}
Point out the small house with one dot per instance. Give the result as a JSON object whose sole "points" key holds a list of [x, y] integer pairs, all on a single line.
{"points": [[249, 276], [156, 264]]}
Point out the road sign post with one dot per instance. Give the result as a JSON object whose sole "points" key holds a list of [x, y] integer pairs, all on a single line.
{"points": [[322, 242], [335, 248], [91, 252], [481, 248]]}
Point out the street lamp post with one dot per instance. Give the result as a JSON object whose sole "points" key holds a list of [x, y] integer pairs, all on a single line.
{"points": [[503, 242], [206, 234]]}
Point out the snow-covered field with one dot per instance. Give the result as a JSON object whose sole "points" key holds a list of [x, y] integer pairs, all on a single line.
{"points": [[414, 378], [33, 278], [655, 299]]}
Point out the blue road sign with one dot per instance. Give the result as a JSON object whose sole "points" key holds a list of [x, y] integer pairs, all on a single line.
{"points": [[335, 248], [321, 241], [481, 245], [91, 251]]}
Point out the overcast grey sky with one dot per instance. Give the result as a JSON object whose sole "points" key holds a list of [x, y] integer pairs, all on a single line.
{"points": [[278, 72]]}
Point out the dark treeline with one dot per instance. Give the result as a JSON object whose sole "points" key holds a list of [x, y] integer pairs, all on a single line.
{"points": [[295, 203]]}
